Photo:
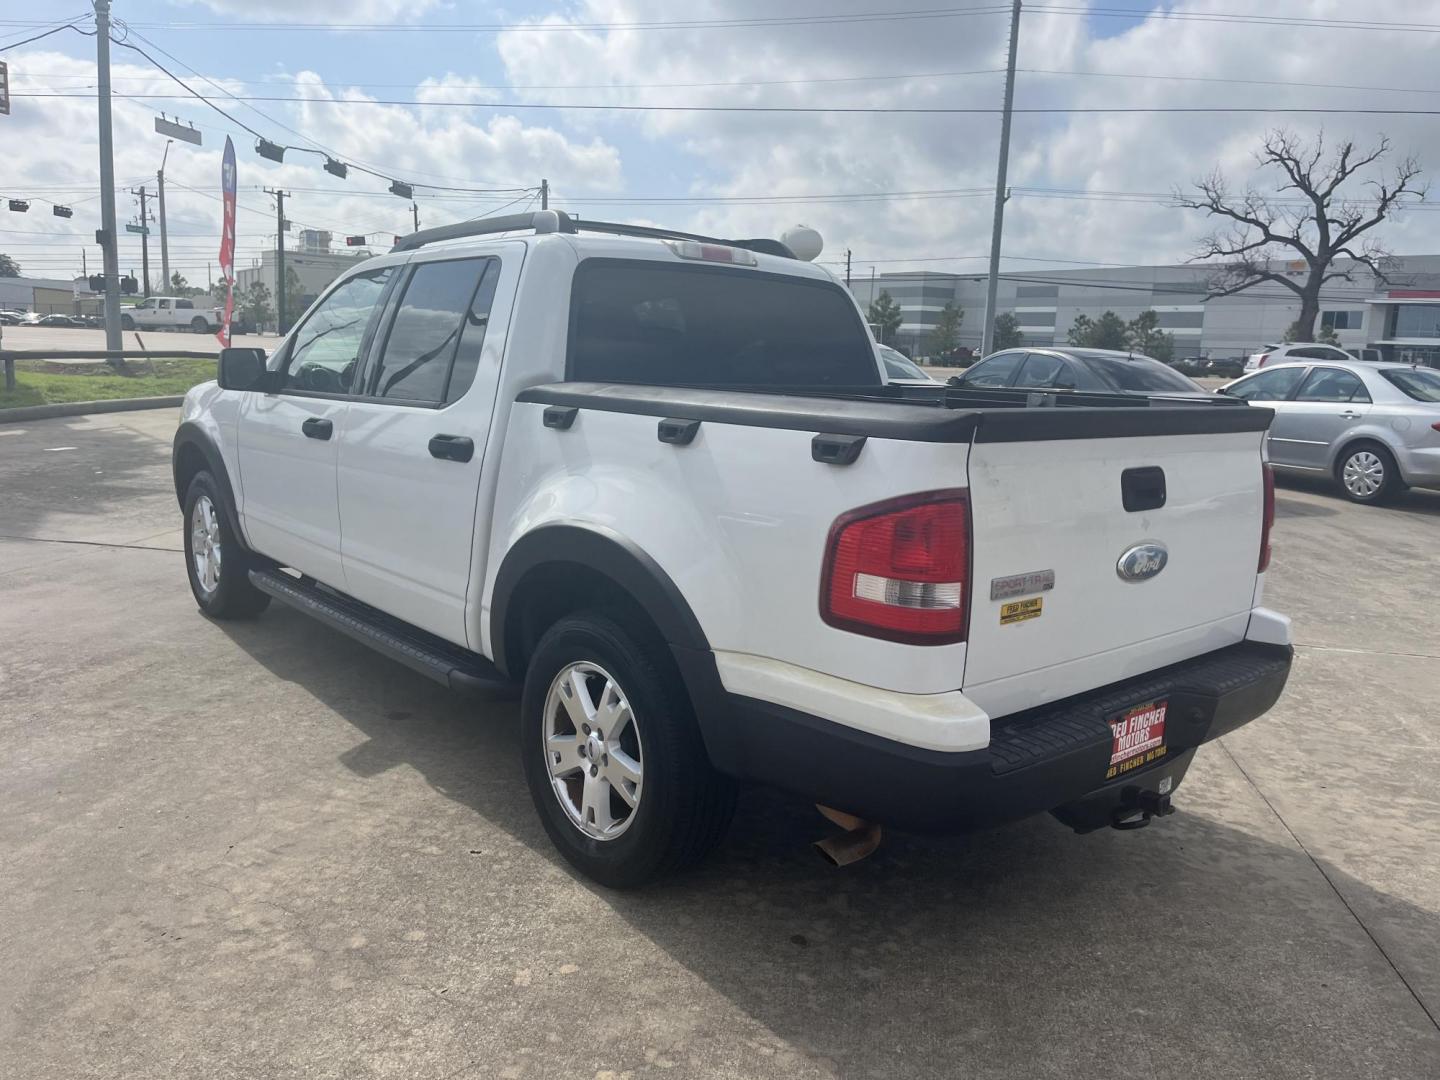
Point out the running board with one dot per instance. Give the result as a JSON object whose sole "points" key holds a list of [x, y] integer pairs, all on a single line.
{"points": [[459, 669]]}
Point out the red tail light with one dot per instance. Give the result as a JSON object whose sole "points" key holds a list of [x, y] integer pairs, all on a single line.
{"points": [[1436, 425], [1269, 519], [1263, 357], [899, 569]]}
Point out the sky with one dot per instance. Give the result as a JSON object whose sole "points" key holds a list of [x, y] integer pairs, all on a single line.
{"points": [[899, 190]]}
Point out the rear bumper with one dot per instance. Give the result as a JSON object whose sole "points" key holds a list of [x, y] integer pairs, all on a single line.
{"points": [[1421, 466], [1044, 759]]}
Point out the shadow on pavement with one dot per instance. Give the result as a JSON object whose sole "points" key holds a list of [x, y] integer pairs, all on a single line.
{"points": [[1190, 948], [109, 473], [1419, 501]]}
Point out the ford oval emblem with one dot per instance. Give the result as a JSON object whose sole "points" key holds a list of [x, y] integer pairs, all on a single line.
{"points": [[1142, 562]]}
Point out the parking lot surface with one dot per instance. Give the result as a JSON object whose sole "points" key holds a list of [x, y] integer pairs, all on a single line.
{"points": [[257, 849], [69, 339]]}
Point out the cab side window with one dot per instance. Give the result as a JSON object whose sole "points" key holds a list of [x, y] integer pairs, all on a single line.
{"points": [[1332, 384], [998, 370], [434, 344], [326, 350], [1268, 385]]}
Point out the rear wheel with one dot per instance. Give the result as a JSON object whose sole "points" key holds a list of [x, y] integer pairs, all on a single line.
{"points": [[1367, 473], [199, 325], [217, 566], [613, 756]]}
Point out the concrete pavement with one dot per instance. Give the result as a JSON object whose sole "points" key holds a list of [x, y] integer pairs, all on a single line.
{"points": [[259, 850]]}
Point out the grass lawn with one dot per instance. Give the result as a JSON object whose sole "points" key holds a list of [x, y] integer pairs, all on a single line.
{"points": [[39, 384]]}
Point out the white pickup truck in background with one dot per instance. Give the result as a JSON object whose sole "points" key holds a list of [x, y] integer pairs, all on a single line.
{"points": [[172, 313], [659, 482]]}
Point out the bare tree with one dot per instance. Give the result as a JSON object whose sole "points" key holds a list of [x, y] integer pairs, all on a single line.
{"points": [[1318, 224]]}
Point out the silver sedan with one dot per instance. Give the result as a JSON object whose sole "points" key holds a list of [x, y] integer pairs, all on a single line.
{"points": [[1374, 428]]}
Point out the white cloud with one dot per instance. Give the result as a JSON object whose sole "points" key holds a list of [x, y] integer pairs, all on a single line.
{"points": [[749, 153], [51, 153]]}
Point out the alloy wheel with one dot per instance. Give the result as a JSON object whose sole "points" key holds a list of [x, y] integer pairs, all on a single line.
{"points": [[592, 750], [205, 544]]}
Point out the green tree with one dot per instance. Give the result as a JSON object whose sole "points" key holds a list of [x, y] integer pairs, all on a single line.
{"points": [[1327, 336], [254, 304], [945, 338], [180, 287], [1145, 336], [885, 316], [217, 292], [9, 267], [1106, 332], [1007, 331]]}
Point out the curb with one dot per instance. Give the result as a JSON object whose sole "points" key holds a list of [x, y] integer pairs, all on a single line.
{"points": [[85, 408]]}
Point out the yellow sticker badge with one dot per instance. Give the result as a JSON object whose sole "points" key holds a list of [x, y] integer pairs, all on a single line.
{"points": [[1020, 610]]}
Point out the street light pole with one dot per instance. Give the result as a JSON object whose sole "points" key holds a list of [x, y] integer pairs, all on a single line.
{"points": [[108, 239], [164, 237], [144, 239], [992, 287]]}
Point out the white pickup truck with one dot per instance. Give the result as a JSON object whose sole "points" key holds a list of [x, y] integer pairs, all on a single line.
{"points": [[172, 313], [658, 482]]}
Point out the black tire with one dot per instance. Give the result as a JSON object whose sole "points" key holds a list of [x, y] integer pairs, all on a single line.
{"points": [[127, 323], [232, 596], [1367, 458], [199, 326], [684, 805]]}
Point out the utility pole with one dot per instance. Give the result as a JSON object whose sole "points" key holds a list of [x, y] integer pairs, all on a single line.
{"points": [[847, 268], [993, 286], [280, 312], [164, 237], [544, 194], [108, 239], [144, 239], [415, 211]]}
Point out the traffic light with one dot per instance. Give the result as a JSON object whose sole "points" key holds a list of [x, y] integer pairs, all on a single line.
{"points": [[129, 286], [354, 241], [97, 282], [62, 211], [19, 206], [336, 168], [269, 150], [405, 191]]}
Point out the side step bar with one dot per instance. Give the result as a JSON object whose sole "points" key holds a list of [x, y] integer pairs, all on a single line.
{"points": [[460, 669]]}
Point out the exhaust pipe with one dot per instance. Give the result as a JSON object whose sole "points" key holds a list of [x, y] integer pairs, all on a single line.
{"points": [[859, 839]]}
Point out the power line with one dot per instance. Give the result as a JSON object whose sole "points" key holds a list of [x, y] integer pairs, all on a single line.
{"points": [[1307, 110], [572, 27], [54, 30]]}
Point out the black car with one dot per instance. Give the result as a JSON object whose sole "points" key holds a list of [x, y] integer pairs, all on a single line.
{"points": [[1095, 370], [69, 321], [1190, 365], [1226, 367]]}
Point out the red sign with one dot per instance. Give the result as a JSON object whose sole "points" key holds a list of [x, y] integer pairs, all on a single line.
{"points": [[1137, 737], [227, 238]]}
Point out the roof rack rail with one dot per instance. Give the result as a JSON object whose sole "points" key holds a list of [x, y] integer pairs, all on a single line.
{"points": [[550, 221]]}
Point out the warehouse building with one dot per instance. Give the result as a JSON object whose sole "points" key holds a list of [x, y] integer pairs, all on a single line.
{"points": [[48, 296], [1400, 317]]}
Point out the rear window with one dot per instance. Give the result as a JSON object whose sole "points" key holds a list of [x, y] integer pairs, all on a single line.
{"points": [[1140, 374], [1417, 383], [656, 323]]}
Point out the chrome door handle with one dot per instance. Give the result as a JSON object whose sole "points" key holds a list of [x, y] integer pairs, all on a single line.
{"points": [[1349, 416]]}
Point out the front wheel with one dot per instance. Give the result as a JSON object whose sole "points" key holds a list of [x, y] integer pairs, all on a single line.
{"points": [[127, 323], [1368, 474], [613, 756], [217, 566]]}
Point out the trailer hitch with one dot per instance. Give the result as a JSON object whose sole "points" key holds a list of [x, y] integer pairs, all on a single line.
{"points": [[1138, 806]]}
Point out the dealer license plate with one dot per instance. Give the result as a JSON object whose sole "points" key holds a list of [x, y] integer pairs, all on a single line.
{"points": [[1137, 738]]}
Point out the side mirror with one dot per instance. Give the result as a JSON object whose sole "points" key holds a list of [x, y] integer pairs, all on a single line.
{"points": [[242, 369], [1222, 390]]}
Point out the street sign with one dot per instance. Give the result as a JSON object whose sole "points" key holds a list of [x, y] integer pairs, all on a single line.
{"points": [[143, 230], [4, 88], [175, 131]]}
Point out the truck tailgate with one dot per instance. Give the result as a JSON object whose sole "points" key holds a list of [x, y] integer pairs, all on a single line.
{"points": [[1058, 507]]}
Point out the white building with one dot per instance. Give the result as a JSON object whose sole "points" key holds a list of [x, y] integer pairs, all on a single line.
{"points": [[1401, 318]]}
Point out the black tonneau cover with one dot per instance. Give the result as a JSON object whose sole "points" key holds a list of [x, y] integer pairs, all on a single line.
{"points": [[920, 414]]}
